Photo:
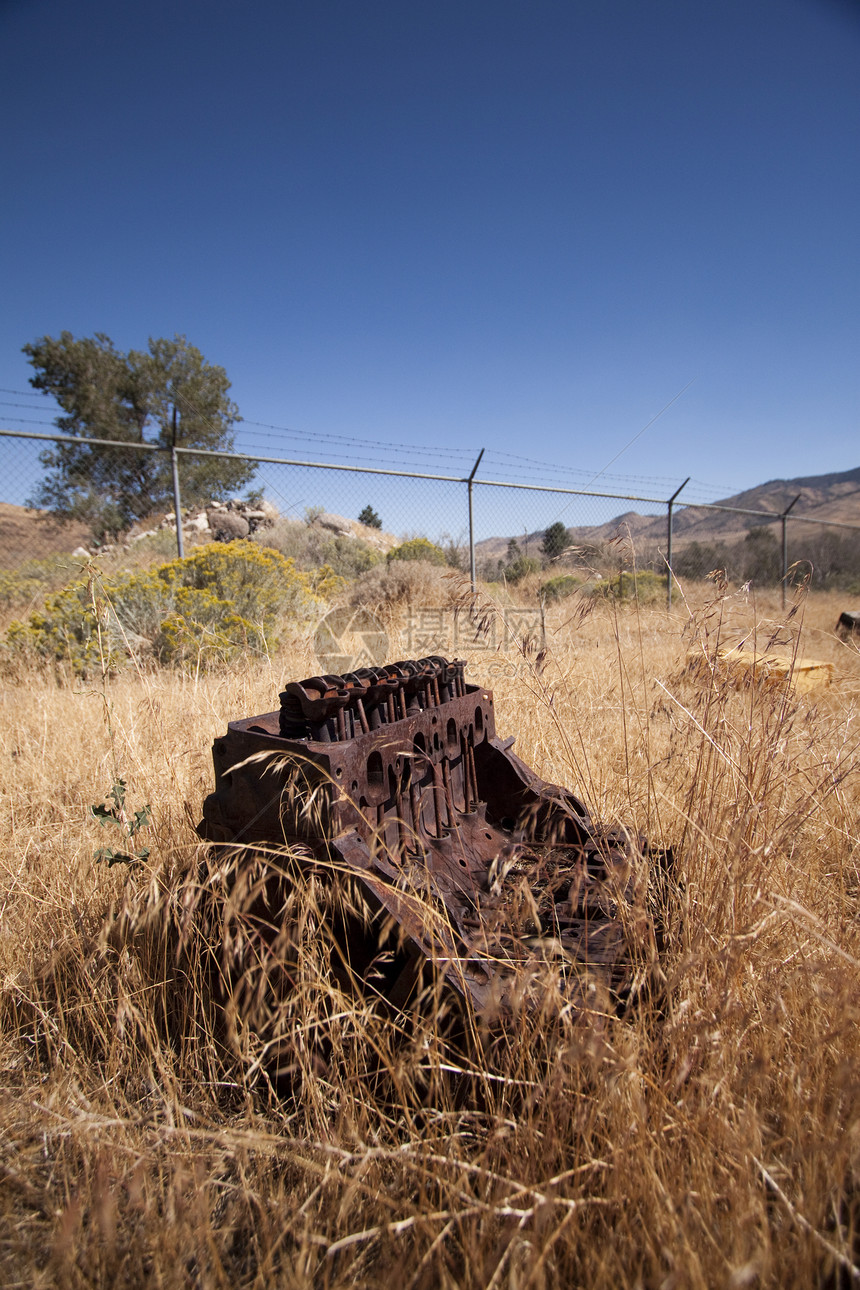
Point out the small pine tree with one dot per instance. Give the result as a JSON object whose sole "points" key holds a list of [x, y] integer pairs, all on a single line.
{"points": [[555, 540], [369, 518]]}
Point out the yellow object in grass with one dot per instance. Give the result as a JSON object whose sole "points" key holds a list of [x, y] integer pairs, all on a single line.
{"points": [[743, 666]]}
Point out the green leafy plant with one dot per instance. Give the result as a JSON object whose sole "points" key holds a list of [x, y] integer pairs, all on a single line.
{"points": [[560, 587], [520, 568], [419, 548], [116, 817], [313, 548], [643, 585]]}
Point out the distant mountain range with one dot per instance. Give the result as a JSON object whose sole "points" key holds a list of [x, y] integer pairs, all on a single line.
{"points": [[834, 497]]}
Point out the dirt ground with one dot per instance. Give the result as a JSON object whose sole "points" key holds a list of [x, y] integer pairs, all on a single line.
{"points": [[29, 535]]}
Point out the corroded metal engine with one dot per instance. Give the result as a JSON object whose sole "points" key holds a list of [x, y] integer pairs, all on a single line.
{"points": [[395, 776]]}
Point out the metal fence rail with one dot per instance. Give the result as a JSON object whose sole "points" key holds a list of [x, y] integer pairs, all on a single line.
{"points": [[451, 509]]}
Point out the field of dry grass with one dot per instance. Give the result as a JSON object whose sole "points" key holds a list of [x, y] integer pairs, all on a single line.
{"points": [[709, 1137]]}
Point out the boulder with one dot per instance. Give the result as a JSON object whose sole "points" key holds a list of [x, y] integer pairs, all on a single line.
{"points": [[226, 526], [335, 524]]}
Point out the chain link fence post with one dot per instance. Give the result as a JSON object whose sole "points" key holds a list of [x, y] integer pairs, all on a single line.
{"points": [[783, 518], [177, 500], [470, 483], [669, 505]]}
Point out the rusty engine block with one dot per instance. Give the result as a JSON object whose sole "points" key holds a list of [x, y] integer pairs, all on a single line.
{"points": [[395, 776]]}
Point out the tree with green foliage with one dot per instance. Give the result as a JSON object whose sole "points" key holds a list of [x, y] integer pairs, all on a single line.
{"points": [[141, 397], [369, 518], [555, 540], [520, 568], [516, 566]]}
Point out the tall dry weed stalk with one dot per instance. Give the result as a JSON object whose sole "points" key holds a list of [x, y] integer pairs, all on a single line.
{"points": [[707, 1137]]}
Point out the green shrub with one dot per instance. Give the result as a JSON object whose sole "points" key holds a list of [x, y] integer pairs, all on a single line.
{"points": [[221, 601], [312, 547], [558, 588], [520, 568], [346, 557], [418, 549], [646, 586]]}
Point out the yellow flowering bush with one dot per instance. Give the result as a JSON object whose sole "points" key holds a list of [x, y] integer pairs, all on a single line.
{"points": [[222, 600], [325, 582], [32, 579]]}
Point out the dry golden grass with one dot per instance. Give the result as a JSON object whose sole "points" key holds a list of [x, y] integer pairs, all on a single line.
{"points": [[710, 1137]]}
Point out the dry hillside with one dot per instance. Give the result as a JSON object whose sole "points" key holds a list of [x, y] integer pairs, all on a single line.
{"points": [[27, 534], [834, 498]]}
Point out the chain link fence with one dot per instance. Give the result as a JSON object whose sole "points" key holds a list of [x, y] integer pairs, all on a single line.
{"points": [[495, 529]]}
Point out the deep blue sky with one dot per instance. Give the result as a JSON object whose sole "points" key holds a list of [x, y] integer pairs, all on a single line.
{"points": [[464, 223]]}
